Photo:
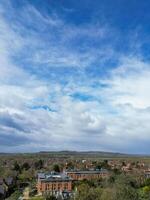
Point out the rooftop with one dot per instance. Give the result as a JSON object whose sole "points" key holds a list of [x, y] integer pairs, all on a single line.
{"points": [[88, 171], [52, 176]]}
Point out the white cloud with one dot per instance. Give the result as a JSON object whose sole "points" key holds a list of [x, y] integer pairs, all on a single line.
{"points": [[130, 83], [117, 118]]}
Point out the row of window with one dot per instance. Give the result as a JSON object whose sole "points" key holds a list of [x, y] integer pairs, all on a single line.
{"points": [[76, 176], [57, 186]]}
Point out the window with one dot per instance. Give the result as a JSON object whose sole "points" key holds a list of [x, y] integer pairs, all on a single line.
{"points": [[59, 186], [66, 186]]}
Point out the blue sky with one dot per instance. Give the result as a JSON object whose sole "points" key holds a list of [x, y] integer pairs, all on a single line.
{"points": [[74, 75]]}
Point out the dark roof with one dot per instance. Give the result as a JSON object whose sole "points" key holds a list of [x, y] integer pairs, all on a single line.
{"points": [[53, 177], [89, 172], [1, 181], [147, 172], [41, 175], [55, 180], [9, 180]]}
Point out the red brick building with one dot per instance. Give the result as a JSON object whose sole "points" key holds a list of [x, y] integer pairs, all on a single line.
{"points": [[57, 183], [53, 183], [88, 175]]}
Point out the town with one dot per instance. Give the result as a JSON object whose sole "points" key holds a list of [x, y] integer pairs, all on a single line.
{"points": [[69, 176]]}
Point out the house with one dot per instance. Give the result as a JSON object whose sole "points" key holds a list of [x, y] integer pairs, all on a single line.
{"points": [[147, 173], [54, 183], [9, 181]]}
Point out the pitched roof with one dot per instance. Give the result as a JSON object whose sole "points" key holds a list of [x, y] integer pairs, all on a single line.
{"points": [[9, 180]]}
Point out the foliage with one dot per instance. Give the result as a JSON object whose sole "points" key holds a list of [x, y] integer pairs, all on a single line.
{"points": [[147, 181], [144, 193], [117, 188], [25, 166], [26, 175], [39, 164], [56, 168], [50, 197], [14, 196], [16, 166]]}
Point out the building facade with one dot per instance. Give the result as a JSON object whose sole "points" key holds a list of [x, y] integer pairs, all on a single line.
{"points": [[53, 183], [61, 183], [147, 173], [87, 175]]}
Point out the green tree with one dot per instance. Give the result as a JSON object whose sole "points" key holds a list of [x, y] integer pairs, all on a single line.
{"points": [[107, 194], [16, 166], [50, 197], [39, 164], [56, 168], [124, 188], [25, 166], [14, 196], [144, 193]]}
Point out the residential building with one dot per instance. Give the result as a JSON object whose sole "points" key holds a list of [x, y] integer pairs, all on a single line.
{"points": [[147, 173], [88, 174], [54, 183]]}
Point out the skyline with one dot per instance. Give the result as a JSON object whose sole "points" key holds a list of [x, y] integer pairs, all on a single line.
{"points": [[74, 76]]}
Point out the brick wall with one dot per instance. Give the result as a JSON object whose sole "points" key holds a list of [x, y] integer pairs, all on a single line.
{"points": [[82, 176], [54, 186]]}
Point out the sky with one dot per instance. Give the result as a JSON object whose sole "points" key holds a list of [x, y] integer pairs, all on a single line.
{"points": [[75, 75]]}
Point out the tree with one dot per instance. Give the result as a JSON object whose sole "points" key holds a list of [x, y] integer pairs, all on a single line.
{"points": [[50, 197], [124, 188], [82, 192], [147, 182], [144, 193], [123, 163], [15, 195], [39, 164], [116, 171], [107, 194], [25, 166], [85, 192], [26, 175], [70, 165], [105, 165], [56, 168], [16, 166]]}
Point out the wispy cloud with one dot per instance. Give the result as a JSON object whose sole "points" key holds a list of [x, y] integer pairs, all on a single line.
{"points": [[61, 83]]}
